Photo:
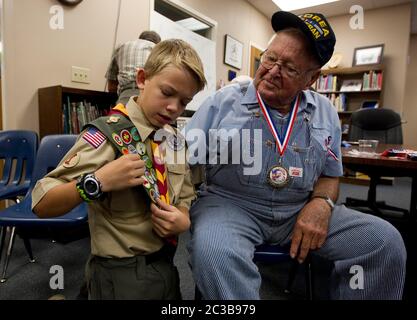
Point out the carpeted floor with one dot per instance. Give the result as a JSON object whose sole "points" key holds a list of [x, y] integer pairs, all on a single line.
{"points": [[30, 281]]}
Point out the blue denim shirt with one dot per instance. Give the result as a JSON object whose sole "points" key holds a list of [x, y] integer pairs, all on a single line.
{"points": [[313, 147]]}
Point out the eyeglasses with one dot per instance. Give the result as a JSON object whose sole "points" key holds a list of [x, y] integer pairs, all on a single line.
{"points": [[268, 61]]}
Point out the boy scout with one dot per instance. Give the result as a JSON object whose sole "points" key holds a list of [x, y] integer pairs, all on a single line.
{"points": [[130, 255]]}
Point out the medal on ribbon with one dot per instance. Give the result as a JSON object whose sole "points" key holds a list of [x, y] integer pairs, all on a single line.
{"points": [[278, 175]]}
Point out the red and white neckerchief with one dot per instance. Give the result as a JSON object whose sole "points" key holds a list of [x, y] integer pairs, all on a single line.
{"points": [[281, 144]]}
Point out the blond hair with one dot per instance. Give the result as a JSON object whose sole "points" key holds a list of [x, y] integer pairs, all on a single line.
{"points": [[178, 53]]}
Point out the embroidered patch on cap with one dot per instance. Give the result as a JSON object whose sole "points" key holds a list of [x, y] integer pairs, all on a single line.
{"points": [[72, 161], [94, 137]]}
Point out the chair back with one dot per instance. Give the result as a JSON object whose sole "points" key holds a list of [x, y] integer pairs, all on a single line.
{"points": [[379, 124], [51, 151], [17, 151]]}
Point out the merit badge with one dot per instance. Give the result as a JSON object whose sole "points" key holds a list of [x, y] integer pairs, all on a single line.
{"points": [[148, 161], [175, 142], [117, 138], [278, 177], [141, 147], [126, 137], [113, 119], [146, 183], [135, 134], [154, 194], [72, 161], [132, 149], [148, 176], [125, 150], [153, 173]]}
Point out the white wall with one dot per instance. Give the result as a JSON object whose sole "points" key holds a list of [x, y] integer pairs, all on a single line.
{"points": [[36, 56]]}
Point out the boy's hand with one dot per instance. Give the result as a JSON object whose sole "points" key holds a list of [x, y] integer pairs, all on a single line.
{"points": [[122, 173], [168, 220]]}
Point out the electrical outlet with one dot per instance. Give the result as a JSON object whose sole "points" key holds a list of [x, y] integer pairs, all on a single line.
{"points": [[79, 74]]}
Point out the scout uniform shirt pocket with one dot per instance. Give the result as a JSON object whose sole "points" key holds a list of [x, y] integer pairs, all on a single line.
{"points": [[176, 176], [128, 204]]}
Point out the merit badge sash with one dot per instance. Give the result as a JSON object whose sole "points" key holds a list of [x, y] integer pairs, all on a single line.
{"points": [[123, 134]]}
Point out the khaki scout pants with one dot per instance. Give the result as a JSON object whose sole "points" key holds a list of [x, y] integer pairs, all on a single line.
{"points": [[139, 277]]}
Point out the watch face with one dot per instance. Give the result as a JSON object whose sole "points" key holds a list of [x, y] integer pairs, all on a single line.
{"points": [[90, 187]]}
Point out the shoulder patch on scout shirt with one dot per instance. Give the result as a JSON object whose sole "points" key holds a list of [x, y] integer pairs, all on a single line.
{"points": [[94, 137], [72, 160]]}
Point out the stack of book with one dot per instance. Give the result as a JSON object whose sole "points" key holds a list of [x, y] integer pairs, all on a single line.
{"points": [[75, 115]]}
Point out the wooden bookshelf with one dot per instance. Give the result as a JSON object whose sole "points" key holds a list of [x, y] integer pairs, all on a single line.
{"points": [[52, 99], [332, 81]]}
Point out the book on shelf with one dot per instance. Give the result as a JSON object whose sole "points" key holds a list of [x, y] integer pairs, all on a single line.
{"points": [[339, 101], [326, 83], [76, 115], [372, 80]]}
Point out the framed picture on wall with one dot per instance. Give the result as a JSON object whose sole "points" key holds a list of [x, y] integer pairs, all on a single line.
{"points": [[368, 55], [233, 52]]}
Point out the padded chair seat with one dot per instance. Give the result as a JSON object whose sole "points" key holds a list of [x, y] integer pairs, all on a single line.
{"points": [[21, 215], [271, 253]]}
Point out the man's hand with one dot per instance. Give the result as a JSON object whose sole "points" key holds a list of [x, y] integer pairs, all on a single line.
{"points": [[310, 230], [122, 173], [169, 220]]}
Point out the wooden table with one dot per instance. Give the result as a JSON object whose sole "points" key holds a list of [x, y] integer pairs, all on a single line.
{"points": [[383, 166]]}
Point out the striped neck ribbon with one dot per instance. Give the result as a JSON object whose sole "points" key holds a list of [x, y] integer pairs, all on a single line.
{"points": [[281, 143]]}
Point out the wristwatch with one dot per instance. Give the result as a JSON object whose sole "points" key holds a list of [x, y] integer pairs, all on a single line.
{"points": [[326, 198], [89, 187]]}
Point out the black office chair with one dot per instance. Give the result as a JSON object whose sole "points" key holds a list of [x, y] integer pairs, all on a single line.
{"points": [[383, 125]]}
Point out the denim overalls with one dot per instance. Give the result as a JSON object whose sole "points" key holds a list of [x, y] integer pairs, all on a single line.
{"points": [[235, 212]]}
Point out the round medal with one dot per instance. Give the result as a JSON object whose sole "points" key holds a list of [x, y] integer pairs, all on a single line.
{"points": [[278, 177]]}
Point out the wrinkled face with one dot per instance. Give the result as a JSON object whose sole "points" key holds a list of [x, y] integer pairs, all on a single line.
{"points": [[287, 69], [164, 96]]}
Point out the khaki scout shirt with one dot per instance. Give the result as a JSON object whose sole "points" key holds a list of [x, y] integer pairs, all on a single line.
{"points": [[120, 225]]}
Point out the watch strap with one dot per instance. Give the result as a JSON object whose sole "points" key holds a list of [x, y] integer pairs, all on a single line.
{"points": [[325, 197], [83, 192], [80, 189]]}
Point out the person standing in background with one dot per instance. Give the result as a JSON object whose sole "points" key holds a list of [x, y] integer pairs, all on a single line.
{"points": [[126, 60]]}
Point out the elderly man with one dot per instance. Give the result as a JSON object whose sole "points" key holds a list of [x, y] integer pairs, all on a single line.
{"points": [[290, 199]]}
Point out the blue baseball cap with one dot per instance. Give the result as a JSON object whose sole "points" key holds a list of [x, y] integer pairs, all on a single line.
{"points": [[314, 26]]}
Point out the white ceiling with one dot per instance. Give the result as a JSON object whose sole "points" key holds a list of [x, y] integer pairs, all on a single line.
{"points": [[267, 7]]}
